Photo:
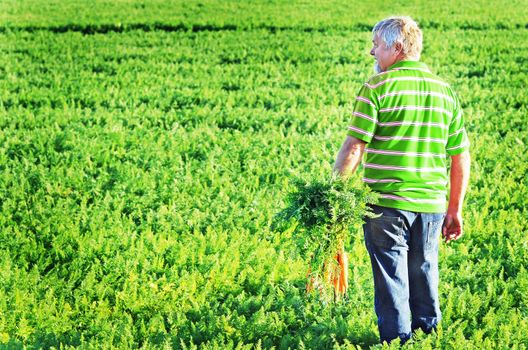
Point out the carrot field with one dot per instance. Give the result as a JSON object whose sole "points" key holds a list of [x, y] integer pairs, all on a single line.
{"points": [[147, 146]]}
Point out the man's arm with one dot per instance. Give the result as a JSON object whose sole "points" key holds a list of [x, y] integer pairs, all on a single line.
{"points": [[459, 178], [349, 156]]}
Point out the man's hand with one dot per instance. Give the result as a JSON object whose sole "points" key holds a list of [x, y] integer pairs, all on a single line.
{"points": [[452, 229]]}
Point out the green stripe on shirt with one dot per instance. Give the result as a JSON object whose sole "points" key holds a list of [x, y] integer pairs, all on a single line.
{"points": [[412, 121]]}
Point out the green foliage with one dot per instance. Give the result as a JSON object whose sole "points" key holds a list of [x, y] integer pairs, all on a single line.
{"points": [[145, 147], [323, 213]]}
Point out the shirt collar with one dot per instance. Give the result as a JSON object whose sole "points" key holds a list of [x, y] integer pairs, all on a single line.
{"points": [[409, 65]]}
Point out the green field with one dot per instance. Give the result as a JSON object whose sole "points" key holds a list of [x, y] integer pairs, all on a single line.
{"points": [[145, 147]]}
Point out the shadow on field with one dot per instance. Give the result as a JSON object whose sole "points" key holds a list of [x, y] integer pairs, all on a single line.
{"points": [[280, 315], [103, 28]]}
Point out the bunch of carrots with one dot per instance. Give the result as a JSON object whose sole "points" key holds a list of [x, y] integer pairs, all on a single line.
{"points": [[321, 214]]}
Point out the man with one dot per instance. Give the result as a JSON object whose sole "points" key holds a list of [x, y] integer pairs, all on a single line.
{"points": [[408, 122]]}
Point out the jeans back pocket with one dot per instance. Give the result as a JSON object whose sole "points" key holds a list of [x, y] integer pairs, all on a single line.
{"points": [[385, 232]]}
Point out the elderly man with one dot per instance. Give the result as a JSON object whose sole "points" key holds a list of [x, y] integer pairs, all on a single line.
{"points": [[408, 122]]}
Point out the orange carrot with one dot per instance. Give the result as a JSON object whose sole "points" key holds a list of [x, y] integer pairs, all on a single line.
{"points": [[342, 284], [337, 277]]}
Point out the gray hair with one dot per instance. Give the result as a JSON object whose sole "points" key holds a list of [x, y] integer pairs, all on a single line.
{"points": [[403, 30]]}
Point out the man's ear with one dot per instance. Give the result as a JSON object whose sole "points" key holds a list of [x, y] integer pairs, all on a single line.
{"points": [[398, 47]]}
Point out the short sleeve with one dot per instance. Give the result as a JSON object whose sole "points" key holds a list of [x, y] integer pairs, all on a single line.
{"points": [[457, 139], [365, 116]]}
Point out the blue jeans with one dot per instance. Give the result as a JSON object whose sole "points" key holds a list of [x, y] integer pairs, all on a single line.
{"points": [[403, 249]]}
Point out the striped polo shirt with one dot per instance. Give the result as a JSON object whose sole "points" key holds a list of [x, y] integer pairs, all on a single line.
{"points": [[411, 121]]}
